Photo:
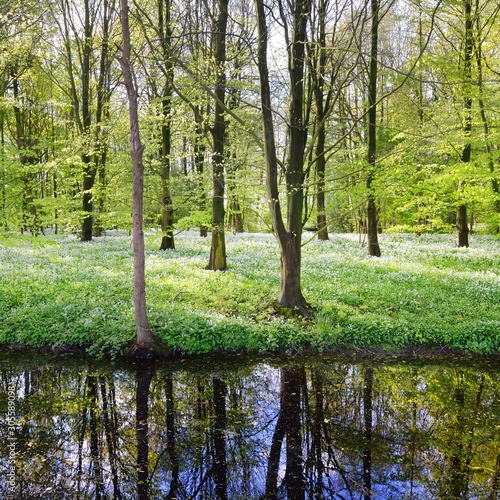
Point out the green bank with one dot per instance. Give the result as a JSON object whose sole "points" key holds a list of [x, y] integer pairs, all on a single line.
{"points": [[56, 291]]}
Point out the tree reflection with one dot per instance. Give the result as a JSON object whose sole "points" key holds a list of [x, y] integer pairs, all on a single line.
{"points": [[461, 430], [95, 444], [110, 421], [170, 445], [289, 427], [144, 375], [219, 433], [307, 430], [367, 432]]}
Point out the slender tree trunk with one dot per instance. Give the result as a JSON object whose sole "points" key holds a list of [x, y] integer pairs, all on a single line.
{"points": [[217, 260], [102, 112], [167, 215], [462, 228], [321, 222], [235, 215], [319, 84], [89, 171], [144, 338], [371, 208]]}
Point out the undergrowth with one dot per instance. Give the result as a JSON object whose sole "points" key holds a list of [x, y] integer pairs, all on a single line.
{"points": [[57, 291]]}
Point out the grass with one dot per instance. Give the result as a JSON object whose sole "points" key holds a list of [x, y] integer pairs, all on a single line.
{"points": [[422, 293]]}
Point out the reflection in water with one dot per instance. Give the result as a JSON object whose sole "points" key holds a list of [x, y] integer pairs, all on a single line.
{"points": [[311, 429], [367, 431], [144, 375]]}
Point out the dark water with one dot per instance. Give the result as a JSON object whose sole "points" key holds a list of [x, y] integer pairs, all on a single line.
{"points": [[307, 428]]}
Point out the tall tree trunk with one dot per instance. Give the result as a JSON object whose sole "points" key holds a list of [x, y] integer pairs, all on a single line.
{"points": [[462, 228], [289, 237], [217, 261], [144, 337], [319, 84], [102, 113], [321, 222], [371, 208], [167, 215], [89, 171], [235, 216]]}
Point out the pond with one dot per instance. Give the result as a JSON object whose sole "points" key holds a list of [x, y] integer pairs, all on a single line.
{"points": [[250, 428]]}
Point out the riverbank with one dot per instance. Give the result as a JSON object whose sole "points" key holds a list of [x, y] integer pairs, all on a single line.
{"points": [[423, 294]]}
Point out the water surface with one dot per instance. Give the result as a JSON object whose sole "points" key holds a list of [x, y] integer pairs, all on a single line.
{"points": [[239, 428]]}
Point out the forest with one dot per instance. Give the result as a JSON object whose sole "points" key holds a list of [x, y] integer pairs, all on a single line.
{"points": [[308, 119]]}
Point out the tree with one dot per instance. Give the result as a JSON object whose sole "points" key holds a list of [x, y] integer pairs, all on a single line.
{"points": [[217, 261], [159, 70], [167, 218], [318, 63], [89, 89], [25, 118], [144, 337], [462, 228], [371, 208], [239, 69], [289, 236], [288, 427]]}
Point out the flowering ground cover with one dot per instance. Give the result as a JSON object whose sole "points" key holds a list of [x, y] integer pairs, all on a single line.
{"points": [[423, 292]]}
